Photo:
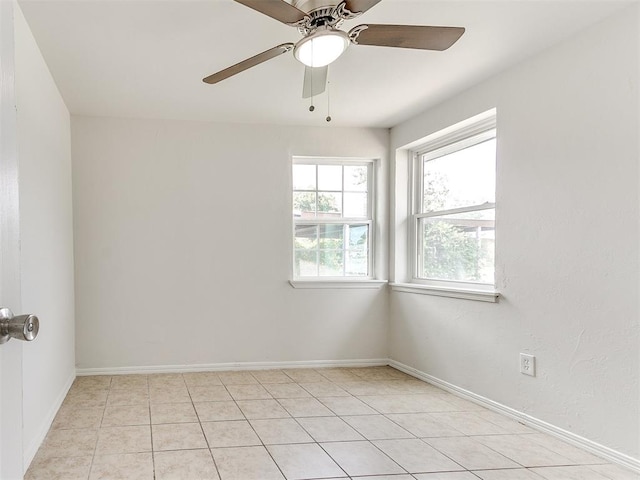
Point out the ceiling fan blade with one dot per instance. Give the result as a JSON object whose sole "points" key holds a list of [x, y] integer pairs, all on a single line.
{"points": [[406, 36], [359, 6], [279, 9], [315, 81], [248, 63]]}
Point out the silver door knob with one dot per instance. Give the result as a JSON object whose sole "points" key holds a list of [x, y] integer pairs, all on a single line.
{"points": [[22, 327]]}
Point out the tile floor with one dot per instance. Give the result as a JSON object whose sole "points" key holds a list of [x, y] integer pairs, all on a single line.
{"points": [[339, 423]]}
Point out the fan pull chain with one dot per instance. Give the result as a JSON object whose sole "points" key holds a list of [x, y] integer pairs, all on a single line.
{"points": [[312, 107], [328, 101]]}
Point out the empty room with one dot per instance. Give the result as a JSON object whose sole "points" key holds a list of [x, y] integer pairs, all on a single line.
{"points": [[319, 239]]}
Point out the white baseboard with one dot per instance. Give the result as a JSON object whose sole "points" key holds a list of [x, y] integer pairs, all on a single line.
{"points": [[581, 442], [217, 367], [31, 450]]}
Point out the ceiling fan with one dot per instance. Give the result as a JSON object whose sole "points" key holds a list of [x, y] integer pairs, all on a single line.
{"points": [[323, 42]]}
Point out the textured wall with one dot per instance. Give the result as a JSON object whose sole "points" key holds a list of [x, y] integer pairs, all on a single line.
{"points": [[567, 243]]}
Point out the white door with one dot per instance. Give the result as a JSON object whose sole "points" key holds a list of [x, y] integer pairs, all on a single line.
{"points": [[11, 352]]}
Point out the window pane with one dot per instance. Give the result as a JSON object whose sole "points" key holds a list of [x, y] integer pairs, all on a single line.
{"points": [[331, 237], [462, 178], [331, 263], [329, 204], [306, 263], [458, 247], [357, 263], [304, 177], [358, 237], [355, 178], [355, 205], [330, 177], [304, 204], [306, 237]]}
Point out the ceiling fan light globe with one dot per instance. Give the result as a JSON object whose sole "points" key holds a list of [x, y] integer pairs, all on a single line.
{"points": [[321, 48]]}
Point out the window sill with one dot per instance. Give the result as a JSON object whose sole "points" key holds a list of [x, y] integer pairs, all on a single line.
{"points": [[366, 284], [477, 295]]}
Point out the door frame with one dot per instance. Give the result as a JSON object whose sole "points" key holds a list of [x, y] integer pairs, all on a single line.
{"points": [[11, 374]]}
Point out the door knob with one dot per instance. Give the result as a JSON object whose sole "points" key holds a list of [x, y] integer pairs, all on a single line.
{"points": [[22, 327]]}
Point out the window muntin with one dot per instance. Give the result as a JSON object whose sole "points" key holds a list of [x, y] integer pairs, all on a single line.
{"points": [[454, 211], [333, 218]]}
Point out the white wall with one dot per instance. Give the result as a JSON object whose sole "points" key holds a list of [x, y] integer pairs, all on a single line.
{"points": [[46, 237], [183, 247], [567, 243]]}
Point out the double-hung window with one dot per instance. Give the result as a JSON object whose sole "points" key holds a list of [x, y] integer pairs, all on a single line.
{"points": [[453, 218], [333, 218]]}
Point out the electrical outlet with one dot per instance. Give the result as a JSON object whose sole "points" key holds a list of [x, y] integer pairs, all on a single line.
{"points": [[527, 364]]}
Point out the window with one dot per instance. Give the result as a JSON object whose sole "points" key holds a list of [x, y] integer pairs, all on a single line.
{"points": [[333, 218], [453, 217]]}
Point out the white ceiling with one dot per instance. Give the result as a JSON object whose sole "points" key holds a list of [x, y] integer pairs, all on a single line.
{"points": [[146, 58]]}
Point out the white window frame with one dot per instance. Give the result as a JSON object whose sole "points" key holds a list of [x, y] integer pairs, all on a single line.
{"points": [[437, 145], [368, 281]]}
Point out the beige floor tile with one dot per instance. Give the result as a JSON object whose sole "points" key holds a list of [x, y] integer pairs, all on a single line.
{"points": [[507, 424], [568, 473], [325, 389], [379, 373], [135, 439], [119, 415], [468, 423], [256, 409], [248, 392], [280, 431], [445, 476], [361, 458], [423, 425], [347, 406], [403, 387], [329, 429], [185, 465], [178, 436], [271, 377], [614, 472], [210, 393], [93, 381], [125, 382], [173, 413], [69, 443], [419, 403], [132, 466], [304, 375], [287, 390], [201, 379], [86, 398], [415, 456], [166, 380], [61, 468], [338, 374], [245, 463], [517, 474], [470, 454], [217, 411], [230, 434], [305, 407], [306, 461], [132, 396], [576, 455], [390, 477], [462, 405], [237, 378], [361, 387], [523, 451], [72, 417], [170, 394], [376, 427]]}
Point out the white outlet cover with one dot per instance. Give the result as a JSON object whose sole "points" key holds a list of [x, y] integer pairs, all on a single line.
{"points": [[527, 364]]}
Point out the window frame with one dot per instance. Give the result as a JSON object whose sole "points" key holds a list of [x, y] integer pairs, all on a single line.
{"points": [[445, 142], [319, 281]]}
